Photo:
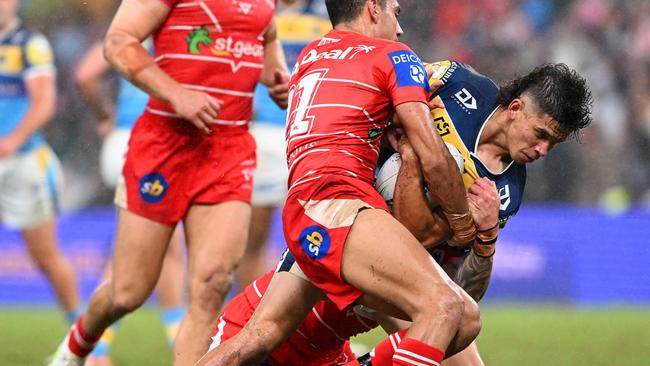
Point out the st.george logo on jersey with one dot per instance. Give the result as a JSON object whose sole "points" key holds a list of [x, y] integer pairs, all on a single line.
{"points": [[409, 69], [315, 241], [153, 187]]}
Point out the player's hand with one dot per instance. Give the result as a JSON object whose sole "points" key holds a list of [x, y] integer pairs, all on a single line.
{"points": [[197, 107], [434, 85], [405, 150], [484, 203], [279, 91], [9, 145]]}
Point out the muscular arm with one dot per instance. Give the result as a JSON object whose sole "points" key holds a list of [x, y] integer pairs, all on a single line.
{"points": [[134, 21], [474, 275], [275, 74], [89, 78], [274, 59], [439, 168], [42, 105], [410, 206]]}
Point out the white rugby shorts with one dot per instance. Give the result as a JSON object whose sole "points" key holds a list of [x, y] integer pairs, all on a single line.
{"points": [[30, 187], [270, 179]]}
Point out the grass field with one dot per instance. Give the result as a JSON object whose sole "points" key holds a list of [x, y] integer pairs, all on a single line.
{"points": [[511, 336]]}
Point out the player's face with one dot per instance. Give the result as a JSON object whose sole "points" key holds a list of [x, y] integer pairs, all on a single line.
{"points": [[390, 28], [532, 136], [8, 9]]}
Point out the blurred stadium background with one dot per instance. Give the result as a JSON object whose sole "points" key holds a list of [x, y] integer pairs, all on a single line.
{"points": [[571, 284]]}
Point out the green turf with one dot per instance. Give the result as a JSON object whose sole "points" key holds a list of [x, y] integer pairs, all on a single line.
{"points": [[511, 335]]}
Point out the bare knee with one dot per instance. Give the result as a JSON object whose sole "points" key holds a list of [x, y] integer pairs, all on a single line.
{"points": [[210, 288], [126, 301], [444, 303], [471, 321]]}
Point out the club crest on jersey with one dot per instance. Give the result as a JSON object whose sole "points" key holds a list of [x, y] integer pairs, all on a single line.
{"points": [[315, 241], [222, 46], [409, 69], [153, 188]]}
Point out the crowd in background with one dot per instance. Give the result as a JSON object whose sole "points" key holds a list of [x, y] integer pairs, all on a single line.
{"points": [[607, 41]]}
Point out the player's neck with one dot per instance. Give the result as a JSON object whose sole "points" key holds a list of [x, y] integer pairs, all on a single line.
{"points": [[357, 26], [8, 27], [493, 142]]}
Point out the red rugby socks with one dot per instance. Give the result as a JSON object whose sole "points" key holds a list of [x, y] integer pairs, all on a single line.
{"points": [[397, 350], [411, 352], [79, 342]]}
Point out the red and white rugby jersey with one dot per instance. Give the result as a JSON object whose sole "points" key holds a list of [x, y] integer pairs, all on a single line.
{"points": [[343, 90], [215, 46]]}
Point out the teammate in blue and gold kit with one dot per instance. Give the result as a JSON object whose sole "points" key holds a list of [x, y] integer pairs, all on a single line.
{"points": [[297, 26], [30, 173]]}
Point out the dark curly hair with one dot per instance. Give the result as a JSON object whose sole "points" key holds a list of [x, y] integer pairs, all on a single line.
{"points": [[558, 91], [341, 11]]}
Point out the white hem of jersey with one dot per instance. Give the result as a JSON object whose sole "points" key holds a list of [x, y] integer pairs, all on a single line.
{"points": [[39, 70]]}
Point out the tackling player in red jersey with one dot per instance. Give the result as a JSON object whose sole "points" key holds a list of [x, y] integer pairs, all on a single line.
{"points": [[190, 156], [344, 89], [323, 337]]}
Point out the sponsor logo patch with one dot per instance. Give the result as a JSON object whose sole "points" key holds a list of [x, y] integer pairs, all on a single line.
{"points": [[409, 69], [315, 241], [153, 188]]}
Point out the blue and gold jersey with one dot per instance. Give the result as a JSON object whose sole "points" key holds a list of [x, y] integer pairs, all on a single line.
{"points": [[23, 54], [470, 100], [295, 31]]}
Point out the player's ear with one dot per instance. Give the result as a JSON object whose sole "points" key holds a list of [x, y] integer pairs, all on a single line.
{"points": [[374, 9], [516, 106]]}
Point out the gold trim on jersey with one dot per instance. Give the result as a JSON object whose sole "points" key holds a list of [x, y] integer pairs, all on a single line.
{"points": [[11, 59], [445, 127]]}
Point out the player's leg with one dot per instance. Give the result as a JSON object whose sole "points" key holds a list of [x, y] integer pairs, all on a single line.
{"points": [[28, 201], [216, 239], [43, 249], [170, 287], [277, 316], [140, 245], [467, 357], [382, 354], [253, 263], [269, 192], [397, 270]]}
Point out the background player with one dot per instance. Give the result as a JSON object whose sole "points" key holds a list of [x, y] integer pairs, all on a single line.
{"points": [[297, 26], [30, 173], [115, 122], [190, 156]]}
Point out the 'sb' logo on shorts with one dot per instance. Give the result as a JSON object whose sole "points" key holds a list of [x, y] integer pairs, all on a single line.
{"points": [[315, 242], [153, 187]]}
